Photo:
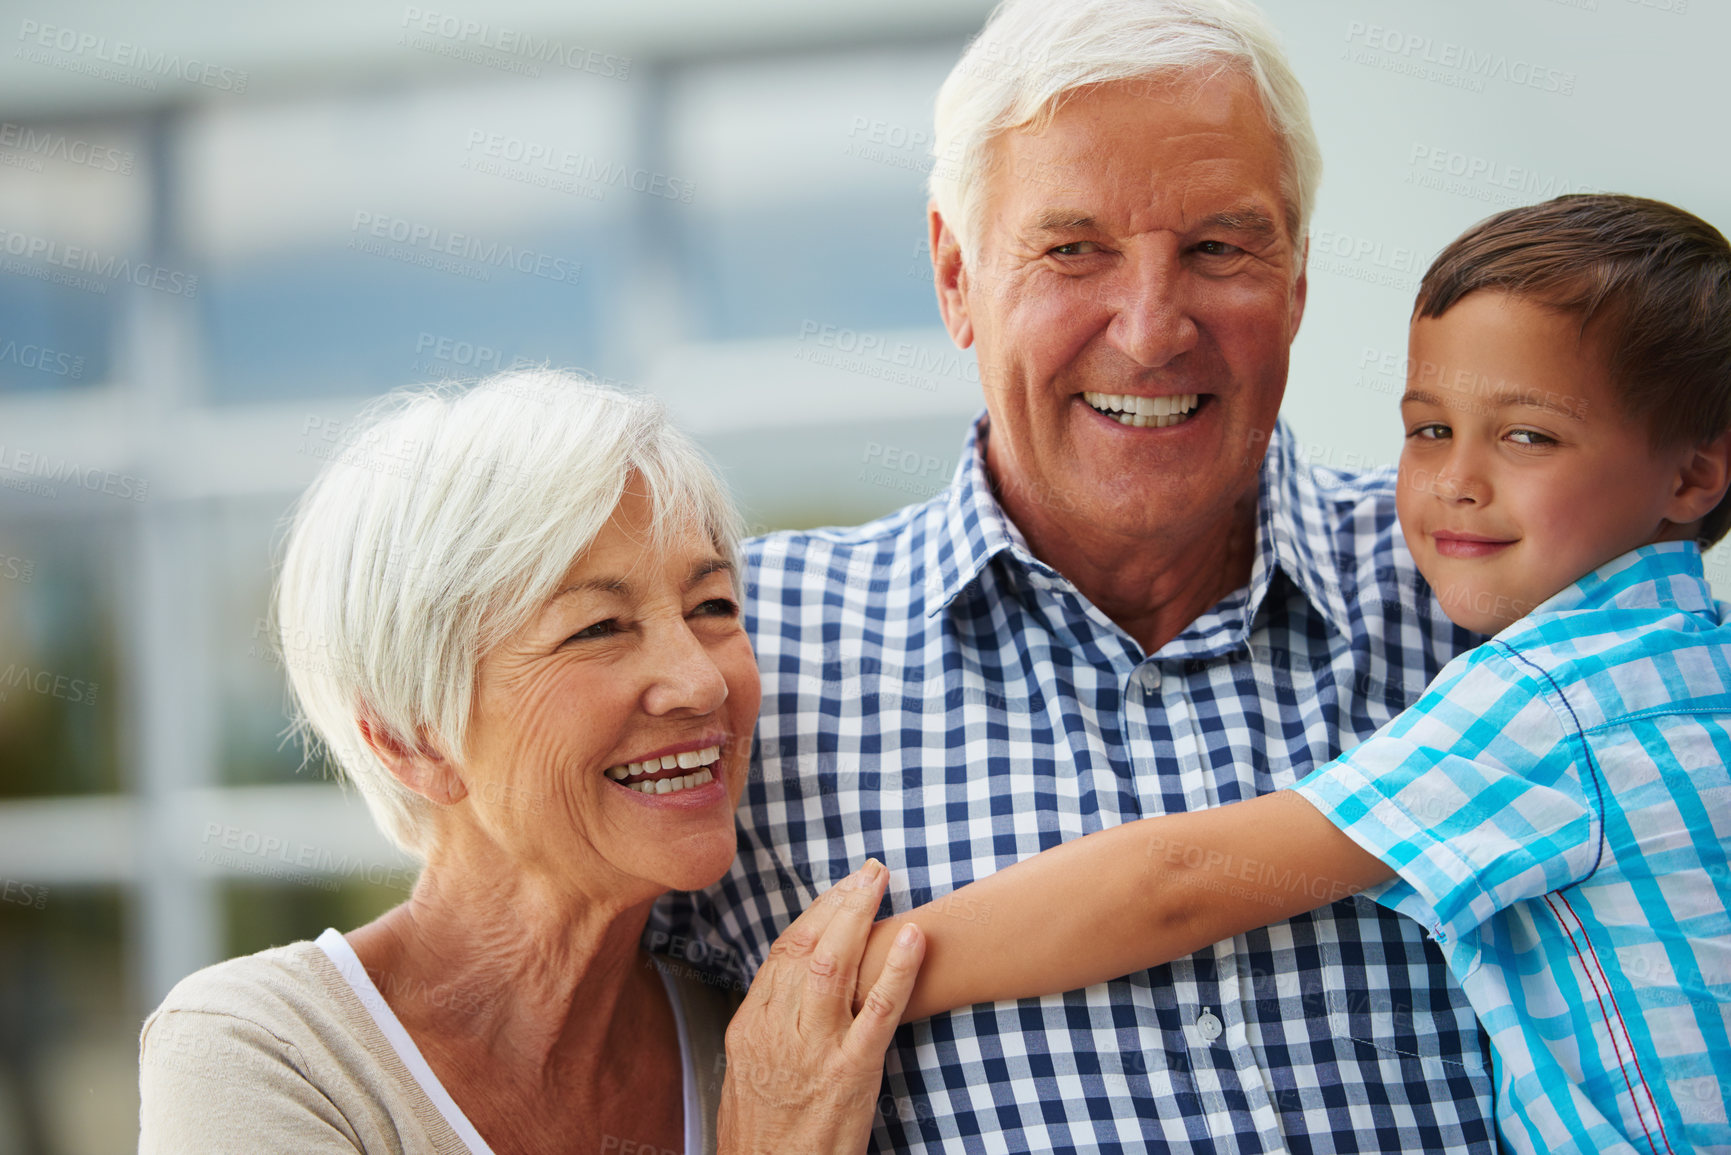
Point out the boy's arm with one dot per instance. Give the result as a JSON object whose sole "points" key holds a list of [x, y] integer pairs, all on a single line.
{"points": [[1126, 899]]}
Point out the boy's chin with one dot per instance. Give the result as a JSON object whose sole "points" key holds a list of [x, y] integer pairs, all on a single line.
{"points": [[1482, 611], [1488, 626]]}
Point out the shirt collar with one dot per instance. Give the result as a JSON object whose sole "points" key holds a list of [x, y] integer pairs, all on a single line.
{"points": [[1297, 535], [1665, 575], [975, 530]]}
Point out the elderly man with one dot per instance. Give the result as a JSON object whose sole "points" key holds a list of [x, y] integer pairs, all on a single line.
{"points": [[1133, 600]]}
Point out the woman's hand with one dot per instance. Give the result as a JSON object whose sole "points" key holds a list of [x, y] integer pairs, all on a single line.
{"points": [[803, 1071]]}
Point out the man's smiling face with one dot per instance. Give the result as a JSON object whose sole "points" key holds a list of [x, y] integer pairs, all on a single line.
{"points": [[1134, 296]]}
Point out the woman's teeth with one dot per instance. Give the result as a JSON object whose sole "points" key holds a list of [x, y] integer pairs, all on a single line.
{"points": [[636, 775], [671, 785], [1144, 412]]}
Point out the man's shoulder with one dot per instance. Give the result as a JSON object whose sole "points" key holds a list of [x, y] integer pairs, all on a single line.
{"points": [[843, 561], [1351, 485], [1338, 534], [1344, 502]]}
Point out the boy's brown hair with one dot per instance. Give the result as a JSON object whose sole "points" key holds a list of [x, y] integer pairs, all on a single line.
{"points": [[1653, 282]]}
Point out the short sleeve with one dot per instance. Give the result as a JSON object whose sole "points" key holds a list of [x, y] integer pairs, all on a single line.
{"points": [[1479, 796], [217, 1084]]}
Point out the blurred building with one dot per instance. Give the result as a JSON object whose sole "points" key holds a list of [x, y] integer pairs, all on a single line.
{"points": [[222, 230]]}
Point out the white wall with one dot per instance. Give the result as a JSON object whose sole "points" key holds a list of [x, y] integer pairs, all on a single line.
{"points": [[1645, 90]]}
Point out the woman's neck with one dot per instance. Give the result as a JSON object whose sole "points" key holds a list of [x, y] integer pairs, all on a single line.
{"points": [[497, 963], [532, 1003]]}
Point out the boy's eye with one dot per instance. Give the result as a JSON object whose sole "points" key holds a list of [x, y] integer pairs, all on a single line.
{"points": [[1431, 431], [1531, 437]]}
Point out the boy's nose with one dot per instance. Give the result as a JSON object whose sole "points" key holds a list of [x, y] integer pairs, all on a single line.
{"points": [[1458, 484], [1451, 486]]}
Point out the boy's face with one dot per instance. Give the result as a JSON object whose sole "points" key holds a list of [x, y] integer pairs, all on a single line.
{"points": [[1520, 472]]}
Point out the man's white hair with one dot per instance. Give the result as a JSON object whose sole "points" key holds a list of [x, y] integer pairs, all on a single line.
{"points": [[1032, 53], [445, 519]]}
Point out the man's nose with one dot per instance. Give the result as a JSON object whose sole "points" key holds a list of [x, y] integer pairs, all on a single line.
{"points": [[1152, 323], [682, 676]]}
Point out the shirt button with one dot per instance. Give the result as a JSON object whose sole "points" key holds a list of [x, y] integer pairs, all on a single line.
{"points": [[1150, 675], [1208, 1025]]}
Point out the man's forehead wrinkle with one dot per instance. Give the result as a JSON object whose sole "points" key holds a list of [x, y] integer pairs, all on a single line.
{"points": [[1102, 152], [1233, 205], [1076, 176]]}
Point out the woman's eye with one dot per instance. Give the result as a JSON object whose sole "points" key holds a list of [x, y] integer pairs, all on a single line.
{"points": [[719, 608], [604, 629], [1431, 431], [1531, 437]]}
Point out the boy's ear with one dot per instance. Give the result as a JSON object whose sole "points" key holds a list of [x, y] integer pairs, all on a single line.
{"points": [[1702, 479], [421, 768]]}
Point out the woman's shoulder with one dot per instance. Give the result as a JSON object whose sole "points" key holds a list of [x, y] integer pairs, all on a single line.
{"points": [[286, 991], [232, 1048], [275, 1043], [280, 973]]}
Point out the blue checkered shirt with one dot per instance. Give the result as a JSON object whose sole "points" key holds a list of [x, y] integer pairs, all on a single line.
{"points": [[937, 696], [1557, 810]]}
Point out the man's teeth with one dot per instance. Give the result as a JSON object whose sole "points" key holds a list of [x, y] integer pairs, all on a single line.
{"points": [[633, 775], [1144, 412]]}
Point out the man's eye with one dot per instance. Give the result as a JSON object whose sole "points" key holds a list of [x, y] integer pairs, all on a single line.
{"points": [[1531, 437], [719, 608], [1075, 249], [1217, 249], [1431, 431]]}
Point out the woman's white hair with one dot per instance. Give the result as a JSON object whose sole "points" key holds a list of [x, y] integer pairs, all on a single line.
{"points": [[1032, 53], [444, 520]]}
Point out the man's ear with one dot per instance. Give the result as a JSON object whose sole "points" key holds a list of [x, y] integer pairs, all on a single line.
{"points": [[422, 769], [1703, 475], [950, 278]]}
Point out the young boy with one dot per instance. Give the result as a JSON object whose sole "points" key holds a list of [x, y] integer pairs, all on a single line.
{"points": [[1556, 807]]}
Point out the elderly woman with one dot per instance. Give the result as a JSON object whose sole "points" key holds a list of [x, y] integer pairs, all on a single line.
{"points": [[511, 617]]}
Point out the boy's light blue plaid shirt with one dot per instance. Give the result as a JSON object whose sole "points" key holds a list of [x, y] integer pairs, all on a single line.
{"points": [[936, 696], [1558, 811]]}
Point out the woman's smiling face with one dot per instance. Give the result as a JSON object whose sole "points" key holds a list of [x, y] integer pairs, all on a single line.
{"points": [[641, 657]]}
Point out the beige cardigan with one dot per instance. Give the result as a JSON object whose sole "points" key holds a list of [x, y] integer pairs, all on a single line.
{"points": [[275, 1053]]}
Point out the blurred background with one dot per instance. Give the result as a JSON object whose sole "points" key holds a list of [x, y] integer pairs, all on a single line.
{"points": [[223, 227]]}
